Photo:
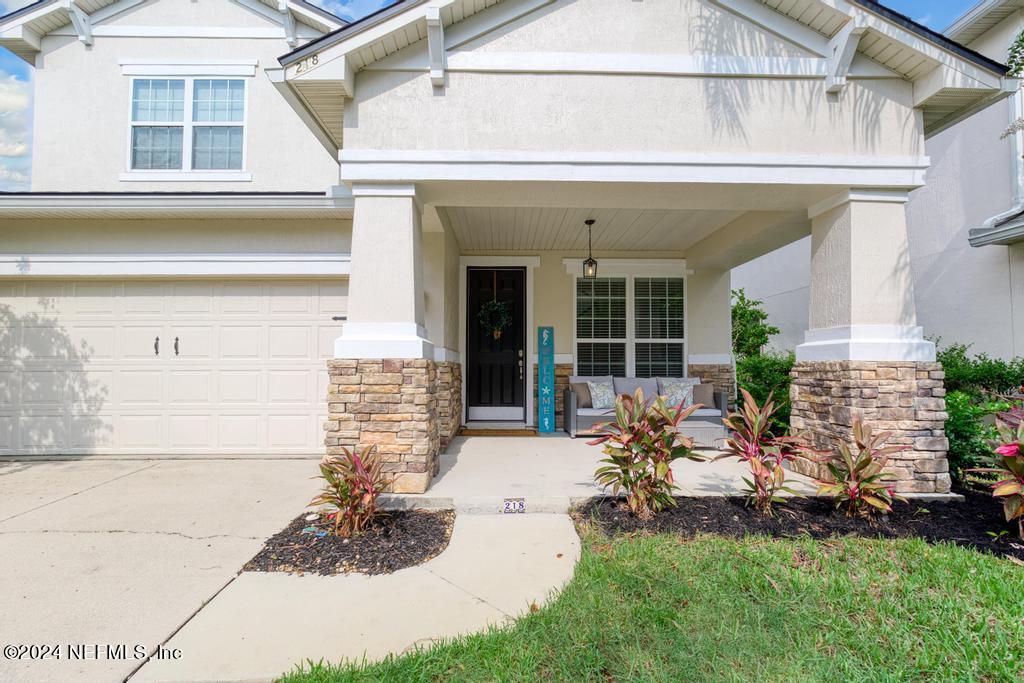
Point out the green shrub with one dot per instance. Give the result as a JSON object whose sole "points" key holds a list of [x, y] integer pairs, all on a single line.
{"points": [[750, 328], [979, 374], [768, 374], [968, 431]]}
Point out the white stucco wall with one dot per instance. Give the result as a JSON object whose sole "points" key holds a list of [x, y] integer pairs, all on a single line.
{"points": [[963, 294], [82, 105], [396, 109]]}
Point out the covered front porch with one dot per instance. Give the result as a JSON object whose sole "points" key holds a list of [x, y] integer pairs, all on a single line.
{"points": [[418, 360]]}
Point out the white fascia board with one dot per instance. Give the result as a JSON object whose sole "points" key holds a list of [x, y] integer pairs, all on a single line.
{"points": [[757, 169], [943, 77], [24, 34], [339, 70], [174, 265], [162, 203]]}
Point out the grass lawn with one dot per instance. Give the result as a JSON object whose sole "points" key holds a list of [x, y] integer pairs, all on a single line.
{"points": [[656, 608]]}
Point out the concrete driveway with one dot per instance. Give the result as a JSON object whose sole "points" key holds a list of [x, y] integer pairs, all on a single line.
{"points": [[123, 552]]}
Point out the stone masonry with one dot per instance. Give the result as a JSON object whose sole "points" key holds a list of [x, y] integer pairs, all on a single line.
{"points": [[723, 376], [905, 398], [449, 401], [562, 373], [391, 403]]}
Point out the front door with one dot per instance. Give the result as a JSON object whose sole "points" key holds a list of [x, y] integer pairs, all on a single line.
{"points": [[496, 344]]}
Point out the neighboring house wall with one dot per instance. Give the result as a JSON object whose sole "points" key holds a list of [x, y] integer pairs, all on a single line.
{"points": [[83, 104], [963, 294]]}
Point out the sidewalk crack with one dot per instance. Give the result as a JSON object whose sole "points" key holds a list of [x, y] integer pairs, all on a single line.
{"points": [[131, 531], [469, 593]]}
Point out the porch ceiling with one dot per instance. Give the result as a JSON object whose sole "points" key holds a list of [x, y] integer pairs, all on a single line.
{"points": [[540, 229]]}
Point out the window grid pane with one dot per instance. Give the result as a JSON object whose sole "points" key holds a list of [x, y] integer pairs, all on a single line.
{"points": [[659, 360], [600, 358], [218, 100], [217, 148], [156, 147], [658, 305], [158, 100], [601, 308]]}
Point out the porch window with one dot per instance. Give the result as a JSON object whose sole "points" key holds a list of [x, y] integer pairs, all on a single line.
{"points": [[601, 326], [631, 326]]}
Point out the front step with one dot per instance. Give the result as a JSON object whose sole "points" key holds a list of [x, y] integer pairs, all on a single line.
{"points": [[483, 505]]}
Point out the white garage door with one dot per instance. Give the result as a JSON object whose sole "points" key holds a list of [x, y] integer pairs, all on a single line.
{"points": [[146, 367]]}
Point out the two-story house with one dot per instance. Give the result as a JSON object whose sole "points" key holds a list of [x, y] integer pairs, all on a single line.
{"points": [[249, 218]]}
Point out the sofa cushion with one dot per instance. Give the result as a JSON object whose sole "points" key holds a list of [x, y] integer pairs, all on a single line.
{"points": [[582, 391], [596, 412], [706, 412], [602, 394], [704, 394], [677, 391], [583, 379], [629, 385]]}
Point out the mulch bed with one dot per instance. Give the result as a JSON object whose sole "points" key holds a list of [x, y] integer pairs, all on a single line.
{"points": [[966, 524], [394, 540]]}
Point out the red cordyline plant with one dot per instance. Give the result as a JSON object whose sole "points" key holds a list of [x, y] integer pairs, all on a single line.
{"points": [[859, 481], [752, 441], [1008, 467], [641, 444], [352, 482]]}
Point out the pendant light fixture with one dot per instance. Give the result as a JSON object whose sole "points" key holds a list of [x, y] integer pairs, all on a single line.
{"points": [[590, 265]]}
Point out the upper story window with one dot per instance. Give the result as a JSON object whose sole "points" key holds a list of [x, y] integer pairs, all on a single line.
{"points": [[188, 124]]}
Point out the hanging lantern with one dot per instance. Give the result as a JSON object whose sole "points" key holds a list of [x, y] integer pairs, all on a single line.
{"points": [[590, 265]]}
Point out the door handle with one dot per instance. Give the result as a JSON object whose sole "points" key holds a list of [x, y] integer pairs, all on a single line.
{"points": [[520, 369], [156, 346], [175, 346]]}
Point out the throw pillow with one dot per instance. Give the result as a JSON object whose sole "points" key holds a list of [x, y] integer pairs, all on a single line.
{"points": [[677, 391], [602, 395], [582, 391], [704, 394]]}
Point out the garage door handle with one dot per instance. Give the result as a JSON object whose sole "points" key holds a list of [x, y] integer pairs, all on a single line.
{"points": [[156, 346], [175, 346]]}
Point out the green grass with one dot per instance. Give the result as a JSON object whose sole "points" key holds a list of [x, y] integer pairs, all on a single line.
{"points": [[656, 608]]}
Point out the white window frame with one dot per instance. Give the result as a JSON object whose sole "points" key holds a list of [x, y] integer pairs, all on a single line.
{"points": [[630, 269], [241, 72]]}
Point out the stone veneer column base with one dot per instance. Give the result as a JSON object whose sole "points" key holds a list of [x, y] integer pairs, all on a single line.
{"points": [[449, 401], [391, 403], [722, 375], [906, 398]]}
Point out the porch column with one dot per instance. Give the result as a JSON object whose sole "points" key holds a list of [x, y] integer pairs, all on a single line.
{"points": [[709, 329], [864, 354], [383, 387]]}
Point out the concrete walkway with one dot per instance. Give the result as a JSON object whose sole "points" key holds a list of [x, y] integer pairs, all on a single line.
{"points": [[552, 473], [262, 625]]}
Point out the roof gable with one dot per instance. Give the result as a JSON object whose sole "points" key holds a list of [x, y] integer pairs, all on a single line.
{"points": [[22, 31]]}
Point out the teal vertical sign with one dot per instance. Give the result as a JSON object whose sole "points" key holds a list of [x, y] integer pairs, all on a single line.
{"points": [[546, 379]]}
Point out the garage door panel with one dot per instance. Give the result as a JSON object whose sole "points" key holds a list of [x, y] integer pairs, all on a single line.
{"points": [[239, 431], [140, 388], [288, 387], [192, 342], [191, 387], [241, 298], [41, 431], [191, 431], [290, 342], [79, 372], [240, 387], [143, 298], [290, 432]]}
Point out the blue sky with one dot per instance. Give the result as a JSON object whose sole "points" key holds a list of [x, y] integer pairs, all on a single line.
{"points": [[16, 75]]}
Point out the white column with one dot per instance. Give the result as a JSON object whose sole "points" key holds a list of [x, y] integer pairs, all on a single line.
{"points": [[709, 317], [385, 294], [862, 291]]}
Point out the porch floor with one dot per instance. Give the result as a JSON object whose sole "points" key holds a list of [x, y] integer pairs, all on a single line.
{"points": [[551, 473]]}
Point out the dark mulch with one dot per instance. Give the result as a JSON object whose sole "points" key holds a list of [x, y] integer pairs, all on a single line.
{"points": [[393, 541], [966, 524]]}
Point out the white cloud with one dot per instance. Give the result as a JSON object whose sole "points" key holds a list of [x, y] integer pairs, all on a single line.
{"points": [[351, 10], [15, 106]]}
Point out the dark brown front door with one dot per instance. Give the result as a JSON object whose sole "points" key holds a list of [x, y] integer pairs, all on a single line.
{"points": [[496, 358]]}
